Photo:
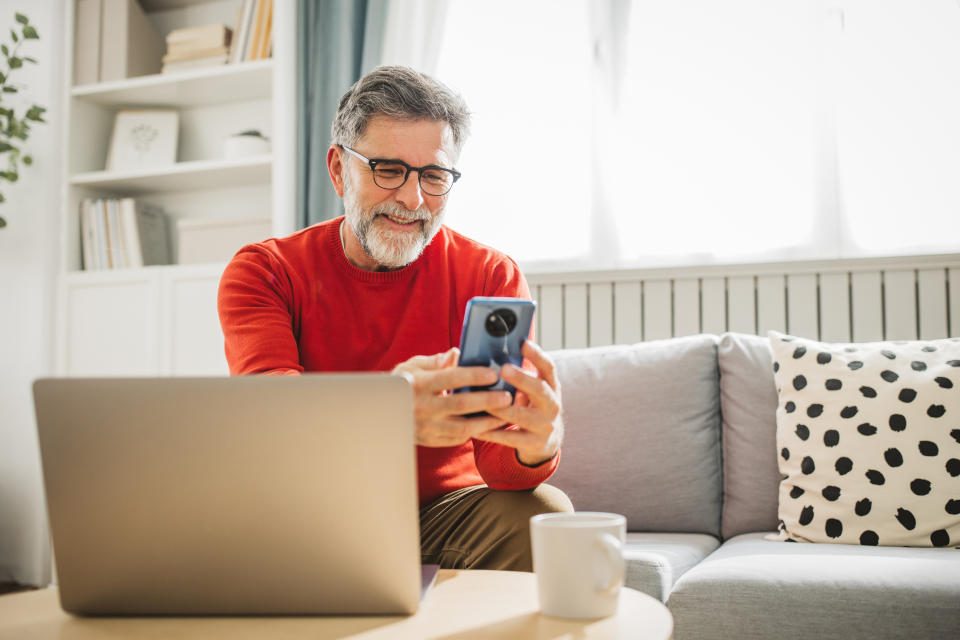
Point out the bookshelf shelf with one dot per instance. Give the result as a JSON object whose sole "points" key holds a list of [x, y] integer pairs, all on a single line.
{"points": [[182, 176], [228, 83]]}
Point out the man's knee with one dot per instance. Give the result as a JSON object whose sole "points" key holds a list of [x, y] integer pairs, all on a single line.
{"points": [[520, 506]]}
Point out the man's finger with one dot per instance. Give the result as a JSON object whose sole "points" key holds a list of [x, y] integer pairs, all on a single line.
{"points": [[538, 357], [537, 390], [457, 404], [456, 378]]}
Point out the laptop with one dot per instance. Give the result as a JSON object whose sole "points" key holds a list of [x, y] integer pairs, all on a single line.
{"points": [[254, 495]]}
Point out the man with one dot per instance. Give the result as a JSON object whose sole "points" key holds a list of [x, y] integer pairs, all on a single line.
{"points": [[384, 288]]}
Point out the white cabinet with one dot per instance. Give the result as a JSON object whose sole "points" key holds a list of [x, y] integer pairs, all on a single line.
{"points": [[152, 321], [162, 320]]}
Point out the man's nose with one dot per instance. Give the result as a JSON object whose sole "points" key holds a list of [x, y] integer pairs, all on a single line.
{"points": [[409, 194]]}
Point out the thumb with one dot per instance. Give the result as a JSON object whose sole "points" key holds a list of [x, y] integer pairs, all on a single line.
{"points": [[449, 358]]}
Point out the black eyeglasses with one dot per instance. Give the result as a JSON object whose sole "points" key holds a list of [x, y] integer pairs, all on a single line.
{"points": [[392, 174]]}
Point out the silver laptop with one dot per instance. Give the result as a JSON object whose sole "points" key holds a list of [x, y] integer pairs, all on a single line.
{"points": [[246, 495]]}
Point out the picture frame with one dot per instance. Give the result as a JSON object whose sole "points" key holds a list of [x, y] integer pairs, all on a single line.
{"points": [[143, 138]]}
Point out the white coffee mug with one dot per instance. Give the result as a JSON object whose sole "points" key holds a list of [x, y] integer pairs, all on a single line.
{"points": [[578, 559]]}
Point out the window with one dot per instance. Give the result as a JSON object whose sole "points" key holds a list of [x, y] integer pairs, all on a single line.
{"points": [[695, 131]]}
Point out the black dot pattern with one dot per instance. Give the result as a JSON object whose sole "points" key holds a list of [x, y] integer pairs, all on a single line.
{"points": [[876, 460]]}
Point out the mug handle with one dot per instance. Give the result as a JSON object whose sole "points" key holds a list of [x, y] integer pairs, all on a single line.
{"points": [[611, 547]]}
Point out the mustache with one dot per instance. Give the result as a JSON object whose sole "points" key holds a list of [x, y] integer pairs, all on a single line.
{"points": [[395, 210]]}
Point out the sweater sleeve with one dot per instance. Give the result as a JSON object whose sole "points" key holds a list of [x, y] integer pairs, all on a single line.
{"points": [[498, 464], [255, 303]]}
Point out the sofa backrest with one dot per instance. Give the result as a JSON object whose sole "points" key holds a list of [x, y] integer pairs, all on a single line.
{"points": [[748, 405], [643, 433]]}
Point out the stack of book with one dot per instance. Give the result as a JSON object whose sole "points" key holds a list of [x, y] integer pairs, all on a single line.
{"points": [[197, 47], [254, 39], [122, 233]]}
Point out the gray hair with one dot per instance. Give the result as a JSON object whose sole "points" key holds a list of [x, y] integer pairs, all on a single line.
{"points": [[402, 93]]}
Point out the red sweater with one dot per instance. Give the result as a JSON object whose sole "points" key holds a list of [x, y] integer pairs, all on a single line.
{"points": [[296, 304]]}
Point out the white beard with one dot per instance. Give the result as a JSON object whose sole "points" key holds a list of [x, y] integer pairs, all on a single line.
{"points": [[389, 248]]}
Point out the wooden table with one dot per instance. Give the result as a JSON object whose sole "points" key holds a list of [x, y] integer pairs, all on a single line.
{"points": [[462, 605]]}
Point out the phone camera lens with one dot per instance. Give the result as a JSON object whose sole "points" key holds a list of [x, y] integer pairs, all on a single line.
{"points": [[500, 322]]}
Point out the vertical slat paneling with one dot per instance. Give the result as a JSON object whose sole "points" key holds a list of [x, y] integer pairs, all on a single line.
{"points": [[932, 291], [657, 310], [771, 304], [714, 305], [802, 305], [686, 307], [835, 307], [626, 313], [575, 316], [601, 314], [865, 288], [740, 297], [954, 277], [551, 316], [900, 305]]}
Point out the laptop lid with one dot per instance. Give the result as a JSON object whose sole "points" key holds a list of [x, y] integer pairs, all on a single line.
{"points": [[244, 495]]}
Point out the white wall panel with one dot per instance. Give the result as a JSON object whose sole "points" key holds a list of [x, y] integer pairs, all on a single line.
{"points": [[575, 316], [932, 294], [551, 316], [802, 305], [771, 304], [953, 275], [835, 307], [741, 313], [867, 310], [657, 310], [194, 344], [601, 314], [713, 305], [627, 327], [686, 307], [900, 305]]}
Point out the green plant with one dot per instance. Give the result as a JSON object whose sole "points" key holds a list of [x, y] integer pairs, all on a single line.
{"points": [[15, 129]]}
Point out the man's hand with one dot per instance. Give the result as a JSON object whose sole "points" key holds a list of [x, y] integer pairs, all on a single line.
{"points": [[536, 412], [438, 413]]}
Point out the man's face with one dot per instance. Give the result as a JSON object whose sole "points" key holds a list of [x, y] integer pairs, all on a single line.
{"points": [[389, 229]]}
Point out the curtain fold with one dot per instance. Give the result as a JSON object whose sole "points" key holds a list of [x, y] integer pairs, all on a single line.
{"points": [[337, 41]]}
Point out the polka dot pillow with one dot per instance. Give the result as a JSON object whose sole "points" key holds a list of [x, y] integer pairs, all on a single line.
{"points": [[868, 440]]}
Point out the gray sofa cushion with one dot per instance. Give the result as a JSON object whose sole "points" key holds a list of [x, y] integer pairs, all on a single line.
{"points": [[756, 588], [642, 433], [748, 404], [655, 561]]}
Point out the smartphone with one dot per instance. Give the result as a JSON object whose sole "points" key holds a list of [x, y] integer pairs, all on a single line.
{"points": [[494, 330]]}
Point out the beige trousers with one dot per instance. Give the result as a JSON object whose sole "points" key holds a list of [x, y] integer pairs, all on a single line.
{"points": [[479, 528]]}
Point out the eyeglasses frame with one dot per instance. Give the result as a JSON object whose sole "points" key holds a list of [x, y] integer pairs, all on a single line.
{"points": [[373, 162]]}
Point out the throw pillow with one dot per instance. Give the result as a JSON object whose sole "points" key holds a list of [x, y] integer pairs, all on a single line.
{"points": [[868, 437]]}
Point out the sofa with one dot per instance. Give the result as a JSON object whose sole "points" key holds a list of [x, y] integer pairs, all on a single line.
{"points": [[679, 435]]}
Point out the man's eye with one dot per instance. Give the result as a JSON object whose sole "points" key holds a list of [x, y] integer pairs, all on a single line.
{"points": [[390, 172], [436, 177]]}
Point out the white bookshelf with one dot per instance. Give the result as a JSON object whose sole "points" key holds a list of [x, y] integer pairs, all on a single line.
{"points": [[107, 313]]}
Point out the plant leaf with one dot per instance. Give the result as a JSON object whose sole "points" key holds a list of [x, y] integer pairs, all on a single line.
{"points": [[15, 62], [22, 19], [28, 160], [30, 59], [6, 146], [14, 36], [29, 33], [3, 222], [4, 49], [9, 89], [34, 113]]}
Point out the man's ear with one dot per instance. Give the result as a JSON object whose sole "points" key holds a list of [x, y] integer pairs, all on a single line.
{"points": [[336, 168]]}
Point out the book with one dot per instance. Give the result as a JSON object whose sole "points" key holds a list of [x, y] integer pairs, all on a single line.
{"points": [[88, 236], [130, 46], [267, 39], [195, 54], [204, 36], [239, 43], [147, 236], [198, 63], [254, 45], [86, 61], [115, 248]]}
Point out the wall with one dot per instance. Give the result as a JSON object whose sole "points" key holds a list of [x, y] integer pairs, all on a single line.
{"points": [[28, 267]]}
